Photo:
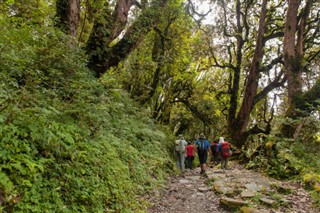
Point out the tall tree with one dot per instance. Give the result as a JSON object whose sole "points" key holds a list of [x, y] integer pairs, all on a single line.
{"points": [[250, 93], [239, 34]]}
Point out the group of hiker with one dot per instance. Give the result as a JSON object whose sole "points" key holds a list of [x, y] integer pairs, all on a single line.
{"points": [[219, 150]]}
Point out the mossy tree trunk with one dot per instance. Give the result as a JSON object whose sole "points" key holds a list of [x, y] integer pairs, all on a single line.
{"points": [[238, 122], [293, 58], [242, 119], [106, 29], [68, 16]]}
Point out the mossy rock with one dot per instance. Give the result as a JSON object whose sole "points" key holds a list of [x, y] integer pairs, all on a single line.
{"points": [[246, 209], [232, 203]]}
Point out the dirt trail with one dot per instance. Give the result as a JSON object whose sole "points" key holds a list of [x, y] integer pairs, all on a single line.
{"points": [[239, 190]]}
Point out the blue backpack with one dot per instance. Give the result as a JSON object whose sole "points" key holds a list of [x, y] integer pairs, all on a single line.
{"points": [[201, 146]]}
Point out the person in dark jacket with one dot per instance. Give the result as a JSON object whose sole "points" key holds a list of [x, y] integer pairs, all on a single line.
{"points": [[214, 152]]}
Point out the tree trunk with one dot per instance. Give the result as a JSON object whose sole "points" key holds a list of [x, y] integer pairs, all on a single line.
{"points": [[135, 33], [97, 44], [120, 17], [252, 82], [234, 85], [106, 28], [291, 59], [68, 15], [293, 55], [101, 56]]}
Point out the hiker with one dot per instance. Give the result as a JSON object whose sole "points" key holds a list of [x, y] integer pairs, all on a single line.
{"points": [[214, 151], [180, 151], [190, 155], [224, 152], [202, 147]]}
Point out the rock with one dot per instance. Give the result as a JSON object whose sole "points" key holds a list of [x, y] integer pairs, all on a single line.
{"points": [[184, 181], [232, 203], [203, 189], [199, 194], [219, 171], [267, 201], [216, 176], [244, 180], [262, 181], [245, 209], [220, 182], [189, 186], [247, 193], [255, 187], [224, 190], [193, 178]]}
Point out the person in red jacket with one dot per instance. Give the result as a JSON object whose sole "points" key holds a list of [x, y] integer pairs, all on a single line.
{"points": [[224, 152], [190, 155]]}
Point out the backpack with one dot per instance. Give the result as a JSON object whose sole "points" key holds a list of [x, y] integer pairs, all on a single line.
{"points": [[225, 150], [202, 146], [214, 148], [179, 147]]}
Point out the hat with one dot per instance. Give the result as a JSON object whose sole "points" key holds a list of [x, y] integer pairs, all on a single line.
{"points": [[180, 136], [221, 139], [202, 135]]}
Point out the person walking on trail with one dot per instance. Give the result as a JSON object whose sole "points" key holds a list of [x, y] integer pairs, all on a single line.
{"points": [[214, 152], [190, 155], [224, 152], [180, 151], [202, 147]]}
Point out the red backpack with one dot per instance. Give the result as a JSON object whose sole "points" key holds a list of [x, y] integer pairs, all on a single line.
{"points": [[225, 149]]}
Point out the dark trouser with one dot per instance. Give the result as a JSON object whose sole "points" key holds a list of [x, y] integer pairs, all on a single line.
{"points": [[215, 158], [203, 155], [190, 161]]}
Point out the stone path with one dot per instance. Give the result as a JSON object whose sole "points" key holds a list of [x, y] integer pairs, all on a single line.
{"points": [[235, 190]]}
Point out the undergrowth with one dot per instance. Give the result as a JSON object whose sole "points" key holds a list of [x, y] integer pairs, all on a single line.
{"points": [[68, 142], [289, 159]]}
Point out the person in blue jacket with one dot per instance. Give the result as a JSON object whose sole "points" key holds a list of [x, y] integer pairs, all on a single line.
{"points": [[202, 147]]}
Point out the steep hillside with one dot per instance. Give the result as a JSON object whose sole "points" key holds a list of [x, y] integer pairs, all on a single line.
{"points": [[68, 142]]}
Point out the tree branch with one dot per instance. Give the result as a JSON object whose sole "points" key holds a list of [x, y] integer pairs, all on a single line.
{"points": [[277, 82]]}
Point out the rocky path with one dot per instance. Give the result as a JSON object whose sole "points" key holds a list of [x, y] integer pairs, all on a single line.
{"points": [[234, 190]]}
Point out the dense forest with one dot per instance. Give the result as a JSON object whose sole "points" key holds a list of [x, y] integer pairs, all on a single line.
{"points": [[93, 94]]}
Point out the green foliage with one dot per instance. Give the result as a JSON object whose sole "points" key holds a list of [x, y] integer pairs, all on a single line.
{"points": [[67, 142], [288, 159], [28, 12]]}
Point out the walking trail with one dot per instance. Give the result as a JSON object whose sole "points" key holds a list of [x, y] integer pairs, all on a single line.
{"points": [[234, 190]]}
